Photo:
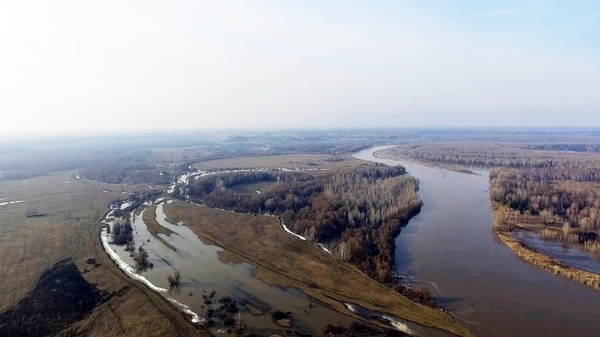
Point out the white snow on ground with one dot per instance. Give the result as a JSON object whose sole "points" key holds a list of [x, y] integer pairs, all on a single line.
{"points": [[10, 202], [258, 192], [393, 321], [289, 231], [67, 182], [187, 310], [124, 266], [3, 198], [77, 176], [325, 249], [126, 204]]}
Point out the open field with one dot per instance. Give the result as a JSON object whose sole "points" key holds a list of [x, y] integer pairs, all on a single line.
{"points": [[291, 161], [66, 228], [282, 259]]}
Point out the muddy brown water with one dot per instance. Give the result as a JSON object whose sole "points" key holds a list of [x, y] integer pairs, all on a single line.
{"points": [[450, 248]]}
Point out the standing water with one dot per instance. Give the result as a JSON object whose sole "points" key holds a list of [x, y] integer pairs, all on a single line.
{"points": [[451, 249]]}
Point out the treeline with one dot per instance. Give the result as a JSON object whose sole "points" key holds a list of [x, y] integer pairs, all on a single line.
{"points": [[575, 147], [135, 201], [550, 165], [530, 194], [358, 212], [207, 185], [132, 174]]}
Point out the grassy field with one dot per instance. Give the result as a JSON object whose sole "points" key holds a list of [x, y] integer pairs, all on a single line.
{"points": [[282, 259], [67, 227], [292, 161]]}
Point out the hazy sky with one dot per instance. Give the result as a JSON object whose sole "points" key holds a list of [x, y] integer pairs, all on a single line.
{"points": [[108, 66]]}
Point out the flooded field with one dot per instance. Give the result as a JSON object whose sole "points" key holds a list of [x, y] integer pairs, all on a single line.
{"points": [[206, 279], [450, 248]]}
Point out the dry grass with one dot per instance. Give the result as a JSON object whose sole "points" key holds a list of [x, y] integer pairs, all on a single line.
{"points": [[154, 227], [282, 259], [291, 161], [69, 228]]}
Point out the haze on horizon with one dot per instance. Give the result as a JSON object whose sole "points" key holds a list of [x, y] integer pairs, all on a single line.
{"points": [[110, 66]]}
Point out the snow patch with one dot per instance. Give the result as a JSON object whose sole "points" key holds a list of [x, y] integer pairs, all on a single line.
{"points": [[187, 310], [289, 231], [328, 251], [10, 202], [129, 270], [77, 176], [399, 325], [126, 204]]}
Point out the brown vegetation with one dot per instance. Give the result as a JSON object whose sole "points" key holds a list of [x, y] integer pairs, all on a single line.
{"points": [[358, 212], [282, 259]]}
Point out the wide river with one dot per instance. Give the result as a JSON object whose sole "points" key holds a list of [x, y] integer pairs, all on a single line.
{"points": [[450, 248]]}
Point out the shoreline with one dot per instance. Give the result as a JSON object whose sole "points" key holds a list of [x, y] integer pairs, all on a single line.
{"points": [[448, 167], [548, 263]]}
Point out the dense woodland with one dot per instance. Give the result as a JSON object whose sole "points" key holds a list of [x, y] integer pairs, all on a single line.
{"points": [[575, 209], [357, 212], [575, 147]]}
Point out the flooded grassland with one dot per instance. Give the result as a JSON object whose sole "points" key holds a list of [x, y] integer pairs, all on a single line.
{"points": [[247, 268]]}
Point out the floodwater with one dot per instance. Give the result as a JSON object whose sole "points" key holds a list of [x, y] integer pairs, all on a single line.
{"points": [[572, 254], [451, 249], [203, 272]]}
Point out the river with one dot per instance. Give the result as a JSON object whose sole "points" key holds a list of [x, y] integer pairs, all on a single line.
{"points": [[451, 249]]}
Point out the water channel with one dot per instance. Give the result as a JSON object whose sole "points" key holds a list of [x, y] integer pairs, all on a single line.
{"points": [[450, 248]]}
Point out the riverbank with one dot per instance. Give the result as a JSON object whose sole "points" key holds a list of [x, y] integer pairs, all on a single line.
{"points": [[548, 263], [504, 228], [386, 154]]}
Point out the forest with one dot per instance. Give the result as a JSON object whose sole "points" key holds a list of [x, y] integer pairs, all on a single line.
{"points": [[358, 213]]}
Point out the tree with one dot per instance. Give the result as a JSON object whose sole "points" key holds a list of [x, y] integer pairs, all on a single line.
{"points": [[174, 280], [141, 259]]}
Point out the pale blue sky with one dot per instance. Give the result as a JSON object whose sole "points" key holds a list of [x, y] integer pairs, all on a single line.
{"points": [[110, 66]]}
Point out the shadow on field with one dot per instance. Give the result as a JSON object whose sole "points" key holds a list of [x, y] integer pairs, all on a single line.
{"points": [[61, 297]]}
